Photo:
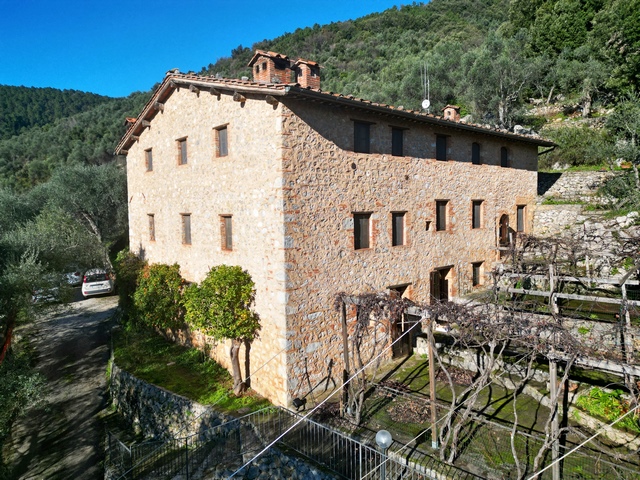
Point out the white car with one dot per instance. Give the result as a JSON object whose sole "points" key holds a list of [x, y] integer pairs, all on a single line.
{"points": [[96, 282]]}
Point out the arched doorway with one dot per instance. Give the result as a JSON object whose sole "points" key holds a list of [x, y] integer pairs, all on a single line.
{"points": [[504, 231]]}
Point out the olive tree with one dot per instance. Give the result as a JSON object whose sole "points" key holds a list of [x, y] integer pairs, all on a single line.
{"points": [[221, 306]]}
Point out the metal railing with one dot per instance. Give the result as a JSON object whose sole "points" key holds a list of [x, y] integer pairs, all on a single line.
{"points": [[238, 444]]}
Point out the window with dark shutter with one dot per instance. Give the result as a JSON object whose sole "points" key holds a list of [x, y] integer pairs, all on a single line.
{"points": [[361, 230], [441, 147], [504, 157], [148, 160], [521, 218], [475, 153], [222, 143], [182, 151], [186, 228], [226, 232], [476, 214], [152, 227], [361, 137], [476, 274], [441, 215], [397, 227], [397, 142]]}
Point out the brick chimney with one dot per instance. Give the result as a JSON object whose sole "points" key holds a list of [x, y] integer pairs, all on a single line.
{"points": [[307, 73], [451, 112], [270, 67]]}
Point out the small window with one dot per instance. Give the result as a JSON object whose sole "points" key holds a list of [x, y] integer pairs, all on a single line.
{"points": [[152, 227], [397, 228], [441, 215], [148, 160], [476, 274], [361, 137], [226, 232], [182, 151], [441, 147], [475, 153], [361, 230], [476, 214], [521, 218], [397, 142], [186, 228], [504, 157], [221, 141]]}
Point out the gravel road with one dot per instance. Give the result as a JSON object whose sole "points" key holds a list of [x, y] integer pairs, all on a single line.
{"points": [[64, 439]]}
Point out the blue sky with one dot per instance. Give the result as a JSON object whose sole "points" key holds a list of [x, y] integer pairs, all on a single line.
{"points": [[115, 47]]}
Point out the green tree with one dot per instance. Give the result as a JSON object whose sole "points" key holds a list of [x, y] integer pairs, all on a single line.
{"points": [[497, 73], [158, 299], [625, 124], [128, 267], [616, 32], [221, 306], [95, 197]]}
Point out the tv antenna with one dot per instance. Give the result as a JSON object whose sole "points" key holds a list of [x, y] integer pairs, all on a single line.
{"points": [[424, 75]]}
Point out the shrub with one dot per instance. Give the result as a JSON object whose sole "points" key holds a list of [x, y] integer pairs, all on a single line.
{"points": [[128, 267], [577, 146], [158, 298], [221, 307]]}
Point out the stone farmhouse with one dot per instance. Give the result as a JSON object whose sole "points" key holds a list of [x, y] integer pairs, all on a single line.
{"points": [[316, 193]]}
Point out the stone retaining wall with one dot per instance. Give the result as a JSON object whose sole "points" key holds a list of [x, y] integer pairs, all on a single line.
{"points": [[159, 413]]}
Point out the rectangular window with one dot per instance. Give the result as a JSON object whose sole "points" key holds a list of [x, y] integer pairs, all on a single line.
{"points": [[182, 151], [521, 218], [148, 160], [441, 215], [361, 138], [397, 142], [504, 157], [475, 153], [152, 227], [441, 147], [226, 232], [397, 228], [221, 139], [476, 274], [361, 230], [476, 214], [186, 228]]}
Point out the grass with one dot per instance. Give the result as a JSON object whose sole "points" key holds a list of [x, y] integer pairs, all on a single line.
{"points": [[561, 201], [184, 371]]}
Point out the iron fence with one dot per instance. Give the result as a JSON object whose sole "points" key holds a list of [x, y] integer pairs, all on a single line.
{"points": [[237, 446]]}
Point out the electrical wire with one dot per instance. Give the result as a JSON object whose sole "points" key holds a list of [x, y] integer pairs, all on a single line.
{"points": [[295, 424], [583, 443]]}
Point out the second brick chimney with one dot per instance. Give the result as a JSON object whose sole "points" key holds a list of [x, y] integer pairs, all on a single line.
{"points": [[307, 73]]}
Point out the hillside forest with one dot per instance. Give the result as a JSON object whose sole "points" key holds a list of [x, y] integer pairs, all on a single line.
{"points": [[567, 69]]}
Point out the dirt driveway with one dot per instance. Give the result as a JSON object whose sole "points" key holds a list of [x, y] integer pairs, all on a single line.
{"points": [[63, 440]]}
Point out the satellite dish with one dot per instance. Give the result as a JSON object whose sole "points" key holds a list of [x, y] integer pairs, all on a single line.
{"points": [[426, 104]]}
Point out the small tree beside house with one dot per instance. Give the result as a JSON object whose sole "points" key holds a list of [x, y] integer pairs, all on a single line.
{"points": [[221, 307]]}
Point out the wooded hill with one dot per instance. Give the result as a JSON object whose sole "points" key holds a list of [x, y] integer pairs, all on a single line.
{"points": [[494, 58]]}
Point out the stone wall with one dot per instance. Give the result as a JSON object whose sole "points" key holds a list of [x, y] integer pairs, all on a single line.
{"points": [[246, 184], [577, 186], [327, 182], [156, 412]]}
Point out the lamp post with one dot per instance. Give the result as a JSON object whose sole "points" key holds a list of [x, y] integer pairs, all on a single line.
{"points": [[383, 439]]}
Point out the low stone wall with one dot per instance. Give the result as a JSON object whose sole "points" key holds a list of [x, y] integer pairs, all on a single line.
{"points": [[580, 186], [159, 413]]}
